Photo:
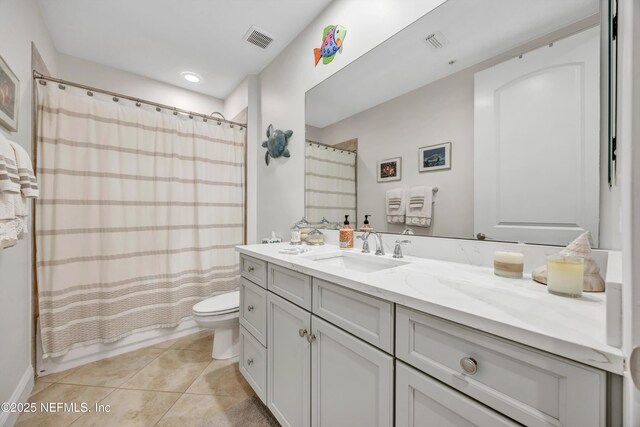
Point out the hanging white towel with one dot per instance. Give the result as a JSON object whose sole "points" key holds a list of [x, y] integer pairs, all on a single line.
{"points": [[9, 179], [17, 183], [28, 183], [419, 213], [395, 204]]}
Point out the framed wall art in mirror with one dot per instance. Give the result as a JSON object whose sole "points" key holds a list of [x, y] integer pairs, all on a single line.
{"points": [[390, 169], [434, 157]]}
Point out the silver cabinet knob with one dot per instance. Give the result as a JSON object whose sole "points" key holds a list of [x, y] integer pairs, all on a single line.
{"points": [[311, 338], [250, 308], [302, 332], [469, 365], [249, 362], [250, 269]]}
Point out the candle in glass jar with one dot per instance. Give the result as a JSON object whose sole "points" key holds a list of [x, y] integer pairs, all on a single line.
{"points": [[565, 275], [508, 264]]}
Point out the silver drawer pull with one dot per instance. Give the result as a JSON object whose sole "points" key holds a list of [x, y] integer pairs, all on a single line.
{"points": [[250, 269], [250, 308], [469, 365], [311, 338], [249, 362], [302, 332]]}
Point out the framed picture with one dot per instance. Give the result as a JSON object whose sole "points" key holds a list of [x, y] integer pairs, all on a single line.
{"points": [[9, 97], [390, 169], [434, 157]]}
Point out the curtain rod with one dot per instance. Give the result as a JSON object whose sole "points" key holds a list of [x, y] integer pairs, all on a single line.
{"points": [[308, 141], [191, 114]]}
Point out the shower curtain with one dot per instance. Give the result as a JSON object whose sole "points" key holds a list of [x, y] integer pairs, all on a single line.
{"points": [[139, 214], [330, 190]]}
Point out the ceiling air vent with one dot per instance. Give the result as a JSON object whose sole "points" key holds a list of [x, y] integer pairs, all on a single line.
{"points": [[437, 40], [258, 37]]}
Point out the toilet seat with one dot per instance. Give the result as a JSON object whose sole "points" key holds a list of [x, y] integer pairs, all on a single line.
{"points": [[221, 304]]}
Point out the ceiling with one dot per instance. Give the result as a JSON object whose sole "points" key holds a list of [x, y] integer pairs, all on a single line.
{"points": [[476, 31], [160, 39]]}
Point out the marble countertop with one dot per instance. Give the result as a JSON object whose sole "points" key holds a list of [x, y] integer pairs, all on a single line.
{"points": [[520, 310]]}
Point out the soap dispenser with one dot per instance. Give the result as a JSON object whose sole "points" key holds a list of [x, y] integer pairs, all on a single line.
{"points": [[346, 234], [366, 227]]}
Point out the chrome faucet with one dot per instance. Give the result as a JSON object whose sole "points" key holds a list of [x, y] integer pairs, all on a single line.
{"points": [[379, 244], [365, 242], [397, 252]]}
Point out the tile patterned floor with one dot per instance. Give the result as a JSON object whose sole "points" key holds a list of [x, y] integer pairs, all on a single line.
{"points": [[174, 383]]}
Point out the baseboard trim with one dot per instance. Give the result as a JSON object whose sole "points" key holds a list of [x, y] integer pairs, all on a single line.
{"points": [[98, 351], [20, 394]]}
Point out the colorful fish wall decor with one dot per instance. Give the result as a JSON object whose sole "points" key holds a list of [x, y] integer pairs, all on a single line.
{"points": [[276, 143], [332, 43]]}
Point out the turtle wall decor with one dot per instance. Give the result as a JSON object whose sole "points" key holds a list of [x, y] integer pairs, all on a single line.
{"points": [[276, 143]]}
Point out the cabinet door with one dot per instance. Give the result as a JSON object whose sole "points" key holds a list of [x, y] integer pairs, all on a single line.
{"points": [[352, 381], [423, 401], [288, 361]]}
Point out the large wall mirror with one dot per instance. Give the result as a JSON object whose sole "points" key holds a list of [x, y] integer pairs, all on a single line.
{"points": [[481, 120]]}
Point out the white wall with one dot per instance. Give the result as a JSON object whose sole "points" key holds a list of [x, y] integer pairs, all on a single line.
{"points": [[438, 112], [20, 24], [237, 101], [284, 83], [100, 76]]}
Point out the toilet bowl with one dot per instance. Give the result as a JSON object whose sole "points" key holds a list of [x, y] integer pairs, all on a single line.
{"points": [[220, 313]]}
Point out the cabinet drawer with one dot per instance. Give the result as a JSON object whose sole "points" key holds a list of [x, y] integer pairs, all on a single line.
{"points": [[253, 363], [527, 385], [290, 285], [253, 309], [420, 398], [366, 317], [254, 269]]}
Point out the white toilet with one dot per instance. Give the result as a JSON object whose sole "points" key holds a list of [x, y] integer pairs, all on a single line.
{"points": [[221, 313]]}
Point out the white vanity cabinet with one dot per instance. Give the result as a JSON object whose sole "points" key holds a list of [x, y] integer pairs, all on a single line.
{"points": [[423, 401], [338, 357], [351, 381], [288, 362]]}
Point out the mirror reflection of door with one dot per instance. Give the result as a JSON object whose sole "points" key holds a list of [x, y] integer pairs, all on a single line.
{"points": [[537, 133]]}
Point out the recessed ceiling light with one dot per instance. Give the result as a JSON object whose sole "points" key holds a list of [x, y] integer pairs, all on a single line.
{"points": [[191, 77]]}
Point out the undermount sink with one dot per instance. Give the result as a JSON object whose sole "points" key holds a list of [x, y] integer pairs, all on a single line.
{"points": [[356, 261]]}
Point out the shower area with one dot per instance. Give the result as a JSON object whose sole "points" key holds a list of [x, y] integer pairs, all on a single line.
{"points": [[141, 207]]}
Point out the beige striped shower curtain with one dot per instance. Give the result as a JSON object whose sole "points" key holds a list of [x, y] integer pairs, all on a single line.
{"points": [[138, 216], [330, 188]]}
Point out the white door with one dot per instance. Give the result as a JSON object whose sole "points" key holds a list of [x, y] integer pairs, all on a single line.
{"points": [[423, 401], [288, 362], [352, 381], [536, 148]]}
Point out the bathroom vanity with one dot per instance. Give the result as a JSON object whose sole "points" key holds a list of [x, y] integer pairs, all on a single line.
{"points": [[341, 338]]}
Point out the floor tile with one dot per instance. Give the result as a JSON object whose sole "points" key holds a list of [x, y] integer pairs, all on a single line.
{"points": [[221, 378], [248, 413], [193, 409], [173, 370], [64, 393], [38, 386], [130, 408], [54, 378], [201, 341], [114, 371]]}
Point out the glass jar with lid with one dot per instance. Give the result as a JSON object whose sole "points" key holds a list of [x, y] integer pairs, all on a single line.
{"points": [[315, 237], [305, 227]]}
